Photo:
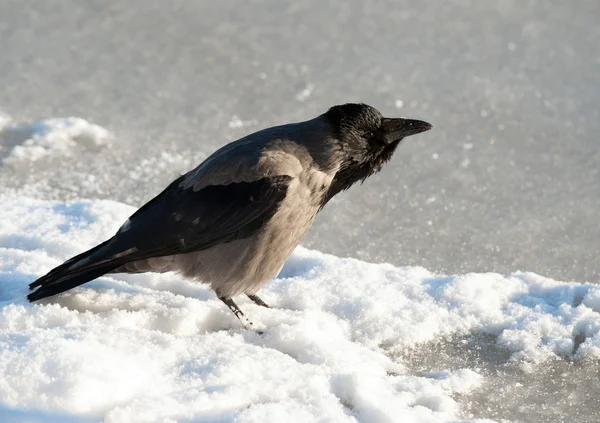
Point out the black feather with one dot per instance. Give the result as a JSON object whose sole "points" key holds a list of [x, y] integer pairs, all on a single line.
{"points": [[61, 283], [176, 221], [182, 220]]}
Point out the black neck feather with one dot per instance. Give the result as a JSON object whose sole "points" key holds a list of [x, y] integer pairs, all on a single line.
{"points": [[353, 171], [347, 176]]}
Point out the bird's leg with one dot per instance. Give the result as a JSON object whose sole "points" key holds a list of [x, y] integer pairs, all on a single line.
{"points": [[238, 313], [257, 300]]}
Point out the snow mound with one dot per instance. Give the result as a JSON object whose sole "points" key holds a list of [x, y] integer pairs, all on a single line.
{"points": [[146, 348], [50, 137]]}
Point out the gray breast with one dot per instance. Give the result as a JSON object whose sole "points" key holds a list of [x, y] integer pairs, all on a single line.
{"points": [[244, 266]]}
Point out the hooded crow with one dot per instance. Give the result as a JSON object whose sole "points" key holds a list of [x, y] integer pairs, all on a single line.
{"points": [[234, 220]]}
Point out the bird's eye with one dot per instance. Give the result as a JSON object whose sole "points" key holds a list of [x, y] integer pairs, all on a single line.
{"points": [[368, 134]]}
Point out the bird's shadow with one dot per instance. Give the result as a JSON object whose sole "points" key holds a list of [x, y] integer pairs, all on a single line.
{"points": [[13, 286], [14, 289], [299, 265], [148, 293]]}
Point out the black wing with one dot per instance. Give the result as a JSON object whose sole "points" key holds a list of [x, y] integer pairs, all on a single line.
{"points": [[182, 220]]}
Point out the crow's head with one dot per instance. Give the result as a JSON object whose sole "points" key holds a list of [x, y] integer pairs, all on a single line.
{"points": [[367, 140]]}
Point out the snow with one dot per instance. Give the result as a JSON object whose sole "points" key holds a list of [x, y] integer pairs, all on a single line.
{"points": [[151, 347], [50, 137], [305, 92], [236, 122]]}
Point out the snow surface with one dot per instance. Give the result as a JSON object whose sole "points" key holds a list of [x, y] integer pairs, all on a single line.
{"points": [[141, 348], [44, 138]]}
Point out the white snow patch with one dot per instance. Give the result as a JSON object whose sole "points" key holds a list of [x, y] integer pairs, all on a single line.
{"points": [[305, 92], [140, 348], [236, 122], [52, 137]]}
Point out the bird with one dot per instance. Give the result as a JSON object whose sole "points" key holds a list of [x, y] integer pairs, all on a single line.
{"points": [[233, 221]]}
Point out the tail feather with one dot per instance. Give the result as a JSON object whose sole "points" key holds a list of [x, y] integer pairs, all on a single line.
{"points": [[66, 265], [74, 272]]}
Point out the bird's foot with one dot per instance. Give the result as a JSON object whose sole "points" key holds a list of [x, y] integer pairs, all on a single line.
{"points": [[247, 323], [257, 300]]}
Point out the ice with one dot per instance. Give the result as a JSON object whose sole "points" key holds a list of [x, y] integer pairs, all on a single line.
{"points": [[50, 137], [151, 347], [4, 120]]}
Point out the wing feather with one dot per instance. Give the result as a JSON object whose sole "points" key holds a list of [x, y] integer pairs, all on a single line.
{"points": [[181, 220]]}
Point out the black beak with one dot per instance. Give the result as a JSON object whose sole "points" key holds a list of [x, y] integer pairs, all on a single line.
{"points": [[396, 129]]}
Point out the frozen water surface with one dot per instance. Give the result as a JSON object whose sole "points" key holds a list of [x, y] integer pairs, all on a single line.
{"points": [[506, 182]]}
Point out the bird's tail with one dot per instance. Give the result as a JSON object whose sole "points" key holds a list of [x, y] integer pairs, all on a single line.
{"points": [[74, 272]]}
